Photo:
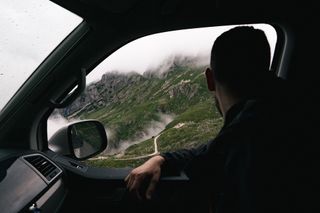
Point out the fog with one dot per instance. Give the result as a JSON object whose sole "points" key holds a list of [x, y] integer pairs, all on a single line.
{"points": [[57, 121], [152, 129], [184, 60], [151, 51]]}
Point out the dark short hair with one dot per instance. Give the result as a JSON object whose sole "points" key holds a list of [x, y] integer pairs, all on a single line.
{"points": [[240, 57]]}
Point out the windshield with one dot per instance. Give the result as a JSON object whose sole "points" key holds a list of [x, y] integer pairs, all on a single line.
{"points": [[29, 31]]}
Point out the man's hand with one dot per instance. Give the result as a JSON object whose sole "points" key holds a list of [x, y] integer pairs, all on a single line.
{"points": [[150, 170]]}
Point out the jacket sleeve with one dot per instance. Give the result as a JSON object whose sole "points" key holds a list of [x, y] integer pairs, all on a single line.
{"points": [[198, 161], [182, 159]]}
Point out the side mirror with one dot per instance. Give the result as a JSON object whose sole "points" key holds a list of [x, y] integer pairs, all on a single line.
{"points": [[80, 140]]}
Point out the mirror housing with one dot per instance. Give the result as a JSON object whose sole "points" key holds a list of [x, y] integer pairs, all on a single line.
{"points": [[80, 140]]}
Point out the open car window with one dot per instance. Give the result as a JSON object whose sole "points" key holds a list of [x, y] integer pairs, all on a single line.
{"points": [[151, 96]]}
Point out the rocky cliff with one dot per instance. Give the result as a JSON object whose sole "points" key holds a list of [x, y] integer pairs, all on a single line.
{"points": [[132, 106]]}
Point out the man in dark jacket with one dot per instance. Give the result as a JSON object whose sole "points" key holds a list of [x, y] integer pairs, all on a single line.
{"points": [[246, 167]]}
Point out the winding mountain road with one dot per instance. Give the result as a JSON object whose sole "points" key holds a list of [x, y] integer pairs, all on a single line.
{"points": [[149, 155], [139, 157]]}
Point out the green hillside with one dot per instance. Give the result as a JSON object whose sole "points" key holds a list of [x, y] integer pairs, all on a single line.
{"points": [[137, 101]]}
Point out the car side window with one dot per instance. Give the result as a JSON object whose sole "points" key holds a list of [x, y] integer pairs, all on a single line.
{"points": [[151, 95]]}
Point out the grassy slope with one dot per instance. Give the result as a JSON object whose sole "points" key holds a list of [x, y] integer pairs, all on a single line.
{"points": [[200, 123], [143, 101]]}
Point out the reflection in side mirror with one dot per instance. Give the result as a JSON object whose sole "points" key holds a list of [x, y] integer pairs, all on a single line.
{"points": [[80, 140], [86, 138]]}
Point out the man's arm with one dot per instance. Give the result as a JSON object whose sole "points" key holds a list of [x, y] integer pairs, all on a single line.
{"points": [[178, 160], [151, 169]]}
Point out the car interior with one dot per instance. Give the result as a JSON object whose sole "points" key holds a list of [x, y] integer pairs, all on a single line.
{"points": [[38, 176]]}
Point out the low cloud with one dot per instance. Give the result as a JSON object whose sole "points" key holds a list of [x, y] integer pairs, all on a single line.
{"points": [[176, 60], [153, 129], [56, 122]]}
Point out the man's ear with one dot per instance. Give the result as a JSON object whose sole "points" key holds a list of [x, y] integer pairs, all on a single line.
{"points": [[210, 81]]}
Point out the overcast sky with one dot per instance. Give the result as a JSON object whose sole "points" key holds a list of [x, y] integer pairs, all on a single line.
{"points": [[31, 29], [150, 51]]}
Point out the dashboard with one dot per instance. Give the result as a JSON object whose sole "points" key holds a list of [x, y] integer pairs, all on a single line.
{"points": [[30, 182]]}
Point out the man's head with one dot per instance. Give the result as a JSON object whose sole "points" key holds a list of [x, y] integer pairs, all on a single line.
{"points": [[240, 59]]}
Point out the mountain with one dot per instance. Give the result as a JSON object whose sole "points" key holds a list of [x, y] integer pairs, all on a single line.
{"points": [[134, 107]]}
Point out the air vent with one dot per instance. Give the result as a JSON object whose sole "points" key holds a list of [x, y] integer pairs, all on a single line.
{"points": [[46, 168]]}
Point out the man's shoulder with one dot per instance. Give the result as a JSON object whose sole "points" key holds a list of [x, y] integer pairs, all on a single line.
{"points": [[268, 107], [257, 119], [251, 111]]}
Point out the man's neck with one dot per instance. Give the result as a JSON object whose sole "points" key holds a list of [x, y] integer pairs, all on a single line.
{"points": [[226, 101]]}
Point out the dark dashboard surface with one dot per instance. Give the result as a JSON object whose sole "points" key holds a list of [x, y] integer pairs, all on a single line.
{"points": [[29, 181]]}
